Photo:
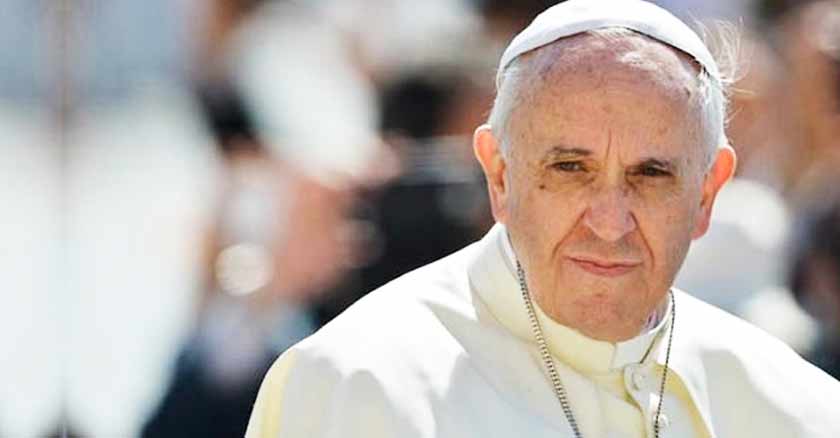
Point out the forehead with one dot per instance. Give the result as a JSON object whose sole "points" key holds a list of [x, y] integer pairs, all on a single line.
{"points": [[628, 79], [616, 49]]}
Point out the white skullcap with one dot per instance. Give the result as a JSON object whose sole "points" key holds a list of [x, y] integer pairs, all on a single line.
{"points": [[577, 16]]}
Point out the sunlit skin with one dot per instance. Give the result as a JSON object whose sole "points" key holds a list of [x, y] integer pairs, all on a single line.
{"points": [[606, 179]]}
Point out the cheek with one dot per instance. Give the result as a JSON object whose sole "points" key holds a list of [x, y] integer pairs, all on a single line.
{"points": [[557, 208], [542, 218], [665, 222]]}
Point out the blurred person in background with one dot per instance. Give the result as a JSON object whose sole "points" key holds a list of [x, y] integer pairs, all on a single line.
{"points": [[278, 242], [295, 126], [811, 47], [144, 184], [810, 42], [815, 279], [761, 130], [436, 204]]}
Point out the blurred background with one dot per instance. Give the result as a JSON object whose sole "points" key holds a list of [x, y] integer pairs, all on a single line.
{"points": [[189, 187]]}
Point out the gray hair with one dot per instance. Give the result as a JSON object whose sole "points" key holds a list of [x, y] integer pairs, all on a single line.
{"points": [[713, 94]]}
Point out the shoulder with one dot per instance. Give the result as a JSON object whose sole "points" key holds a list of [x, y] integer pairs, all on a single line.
{"points": [[387, 346], [718, 332], [745, 366], [392, 323]]}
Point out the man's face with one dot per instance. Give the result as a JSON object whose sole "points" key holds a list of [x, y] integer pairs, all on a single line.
{"points": [[603, 185]]}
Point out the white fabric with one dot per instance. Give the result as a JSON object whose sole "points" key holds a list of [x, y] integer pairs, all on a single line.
{"points": [[439, 352], [577, 16]]}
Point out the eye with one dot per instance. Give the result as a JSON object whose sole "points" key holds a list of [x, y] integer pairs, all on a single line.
{"points": [[653, 171], [568, 166]]}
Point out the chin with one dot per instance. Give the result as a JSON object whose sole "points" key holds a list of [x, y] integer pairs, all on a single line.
{"points": [[605, 313]]}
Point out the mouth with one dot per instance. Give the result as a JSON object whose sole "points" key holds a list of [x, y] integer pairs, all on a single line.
{"points": [[605, 268]]}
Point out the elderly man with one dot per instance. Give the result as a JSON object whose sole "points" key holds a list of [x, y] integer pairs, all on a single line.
{"points": [[603, 155]]}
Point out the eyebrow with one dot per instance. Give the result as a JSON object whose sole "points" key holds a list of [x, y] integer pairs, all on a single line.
{"points": [[557, 152]]}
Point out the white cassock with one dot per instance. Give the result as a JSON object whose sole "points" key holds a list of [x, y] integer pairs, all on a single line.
{"points": [[447, 351]]}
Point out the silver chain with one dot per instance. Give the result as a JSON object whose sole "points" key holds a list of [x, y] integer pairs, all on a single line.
{"points": [[551, 369]]}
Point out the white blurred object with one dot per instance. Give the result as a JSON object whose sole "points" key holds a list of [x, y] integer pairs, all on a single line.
{"points": [[32, 295], [775, 310], [244, 268], [311, 106], [739, 265], [254, 218], [140, 192], [405, 34], [743, 251], [756, 210]]}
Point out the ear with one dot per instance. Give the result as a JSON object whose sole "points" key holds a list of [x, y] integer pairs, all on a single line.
{"points": [[488, 151], [721, 171]]}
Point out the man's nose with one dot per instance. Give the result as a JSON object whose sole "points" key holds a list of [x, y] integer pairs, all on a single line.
{"points": [[609, 215]]}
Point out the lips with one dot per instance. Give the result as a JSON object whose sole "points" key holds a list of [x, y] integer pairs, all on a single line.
{"points": [[605, 268]]}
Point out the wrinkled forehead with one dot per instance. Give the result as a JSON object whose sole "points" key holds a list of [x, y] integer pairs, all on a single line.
{"points": [[601, 57], [557, 89]]}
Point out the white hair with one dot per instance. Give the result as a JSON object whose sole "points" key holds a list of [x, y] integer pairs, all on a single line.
{"points": [[713, 93]]}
